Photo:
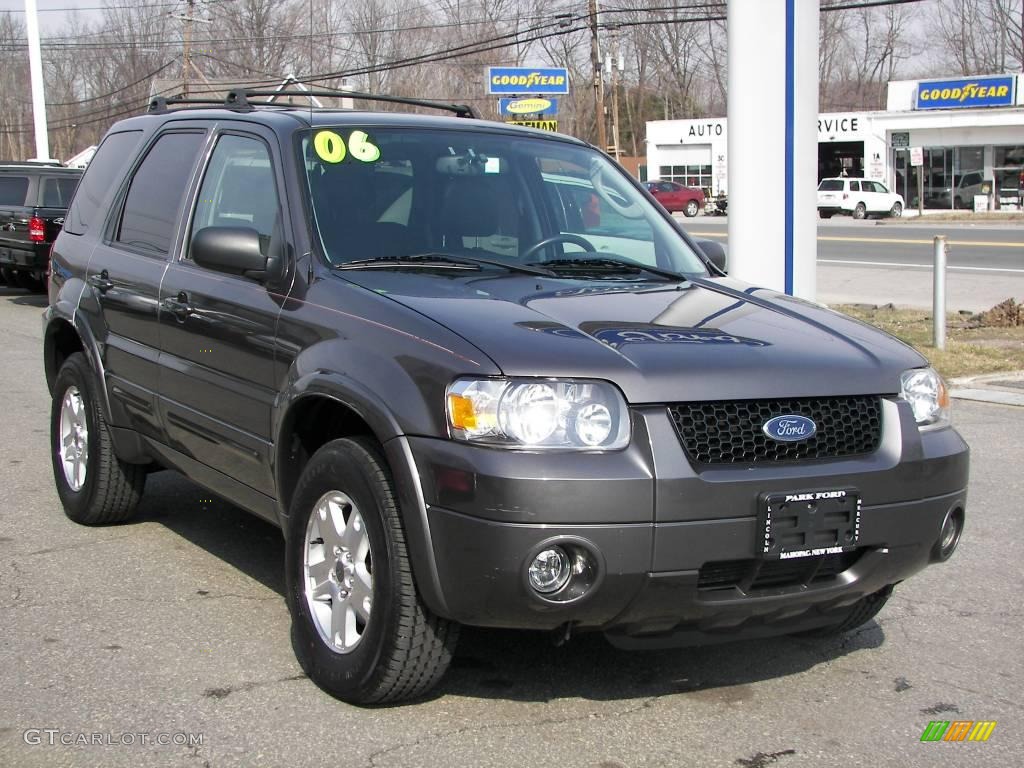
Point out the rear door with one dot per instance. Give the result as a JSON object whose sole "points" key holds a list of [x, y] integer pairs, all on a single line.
{"points": [[127, 266], [217, 330]]}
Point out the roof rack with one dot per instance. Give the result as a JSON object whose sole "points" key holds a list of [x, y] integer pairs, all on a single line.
{"points": [[239, 99]]}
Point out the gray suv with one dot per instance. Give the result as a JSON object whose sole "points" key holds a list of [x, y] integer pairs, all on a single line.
{"points": [[478, 376]]}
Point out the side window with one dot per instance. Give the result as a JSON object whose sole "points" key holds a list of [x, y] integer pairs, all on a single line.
{"points": [[152, 206], [880, 188], [57, 193], [239, 188], [855, 186], [13, 190], [103, 171]]}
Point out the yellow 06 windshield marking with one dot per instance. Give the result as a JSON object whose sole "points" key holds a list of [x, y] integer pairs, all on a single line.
{"points": [[330, 147], [362, 148]]}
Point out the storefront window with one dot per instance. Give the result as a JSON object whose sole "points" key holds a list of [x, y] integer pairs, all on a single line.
{"points": [[1008, 170], [696, 176]]}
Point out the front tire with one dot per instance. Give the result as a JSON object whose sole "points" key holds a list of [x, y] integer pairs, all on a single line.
{"points": [[95, 487], [359, 628], [691, 209], [896, 211], [860, 212]]}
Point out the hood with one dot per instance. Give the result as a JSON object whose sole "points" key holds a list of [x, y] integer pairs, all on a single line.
{"points": [[707, 339]]}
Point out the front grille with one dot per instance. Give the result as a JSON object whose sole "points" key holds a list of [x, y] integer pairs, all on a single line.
{"points": [[729, 431], [751, 575]]}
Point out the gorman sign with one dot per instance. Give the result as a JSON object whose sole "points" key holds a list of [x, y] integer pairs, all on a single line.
{"points": [[969, 92], [523, 80]]}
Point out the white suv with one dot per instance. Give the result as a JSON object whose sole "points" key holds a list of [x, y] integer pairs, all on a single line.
{"points": [[858, 197]]}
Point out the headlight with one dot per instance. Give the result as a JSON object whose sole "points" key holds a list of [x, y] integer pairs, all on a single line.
{"points": [[539, 414], [926, 392]]}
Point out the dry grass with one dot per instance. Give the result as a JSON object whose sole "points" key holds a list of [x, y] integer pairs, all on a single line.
{"points": [[970, 351]]}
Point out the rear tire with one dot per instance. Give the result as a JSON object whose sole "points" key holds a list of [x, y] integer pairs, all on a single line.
{"points": [[860, 212], [896, 211], [95, 487], [30, 282], [691, 209], [359, 628], [824, 215], [862, 612]]}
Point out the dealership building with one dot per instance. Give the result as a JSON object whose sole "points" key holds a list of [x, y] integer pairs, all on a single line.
{"points": [[970, 130]]}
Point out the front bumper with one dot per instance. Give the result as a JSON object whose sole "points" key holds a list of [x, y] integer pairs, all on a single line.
{"points": [[657, 527]]}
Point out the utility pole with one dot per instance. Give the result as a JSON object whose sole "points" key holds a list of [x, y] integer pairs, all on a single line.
{"points": [[186, 59], [616, 65], [595, 59], [35, 66]]}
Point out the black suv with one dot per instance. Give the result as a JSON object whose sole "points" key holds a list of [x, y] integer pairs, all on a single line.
{"points": [[477, 375], [33, 201]]}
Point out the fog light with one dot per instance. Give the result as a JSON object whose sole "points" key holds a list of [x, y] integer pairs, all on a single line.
{"points": [[949, 536], [550, 570]]}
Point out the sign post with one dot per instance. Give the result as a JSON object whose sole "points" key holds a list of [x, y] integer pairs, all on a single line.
{"points": [[773, 85], [917, 161]]}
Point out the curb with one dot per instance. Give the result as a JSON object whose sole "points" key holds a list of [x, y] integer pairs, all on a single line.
{"points": [[990, 388]]}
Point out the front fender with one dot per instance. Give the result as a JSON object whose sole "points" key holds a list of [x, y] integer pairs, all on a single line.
{"points": [[373, 410]]}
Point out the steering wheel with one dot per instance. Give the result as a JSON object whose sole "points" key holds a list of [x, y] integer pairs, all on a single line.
{"points": [[585, 244]]}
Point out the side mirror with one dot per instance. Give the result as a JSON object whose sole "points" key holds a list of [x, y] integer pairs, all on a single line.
{"points": [[715, 253], [237, 250]]}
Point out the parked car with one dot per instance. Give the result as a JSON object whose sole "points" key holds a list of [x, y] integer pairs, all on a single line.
{"points": [[676, 197], [960, 196], [34, 198], [468, 394], [859, 198]]}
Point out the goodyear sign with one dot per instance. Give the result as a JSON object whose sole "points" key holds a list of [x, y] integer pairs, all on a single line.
{"points": [[522, 80], [542, 125], [966, 92], [531, 106]]}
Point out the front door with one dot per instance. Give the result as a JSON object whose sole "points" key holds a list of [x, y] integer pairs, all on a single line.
{"points": [[217, 329]]}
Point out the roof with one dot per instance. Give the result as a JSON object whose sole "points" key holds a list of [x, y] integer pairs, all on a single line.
{"points": [[290, 118], [23, 167]]}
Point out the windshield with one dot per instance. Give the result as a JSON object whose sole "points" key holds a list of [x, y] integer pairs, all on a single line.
{"points": [[386, 193]]}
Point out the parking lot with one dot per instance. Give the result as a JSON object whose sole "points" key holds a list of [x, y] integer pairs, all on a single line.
{"points": [[175, 626]]}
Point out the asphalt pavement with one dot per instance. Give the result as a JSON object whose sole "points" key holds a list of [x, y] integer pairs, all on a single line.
{"points": [[882, 261], [173, 629]]}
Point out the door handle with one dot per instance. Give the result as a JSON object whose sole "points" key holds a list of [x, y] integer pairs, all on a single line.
{"points": [[101, 282], [180, 306]]}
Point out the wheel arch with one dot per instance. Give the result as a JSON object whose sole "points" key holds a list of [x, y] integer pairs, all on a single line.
{"points": [[325, 406]]}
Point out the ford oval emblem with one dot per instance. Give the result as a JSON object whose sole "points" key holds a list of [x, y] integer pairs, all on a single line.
{"points": [[790, 428]]}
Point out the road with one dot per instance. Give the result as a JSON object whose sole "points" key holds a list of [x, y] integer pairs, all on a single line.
{"points": [[881, 262], [175, 624]]}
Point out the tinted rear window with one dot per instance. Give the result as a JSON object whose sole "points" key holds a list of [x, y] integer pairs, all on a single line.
{"points": [[103, 172], [57, 193], [13, 190], [831, 185], [153, 204]]}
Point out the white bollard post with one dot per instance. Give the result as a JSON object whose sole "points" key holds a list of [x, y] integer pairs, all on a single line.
{"points": [[939, 293]]}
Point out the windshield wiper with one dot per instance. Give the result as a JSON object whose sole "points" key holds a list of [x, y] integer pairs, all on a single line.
{"points": [[417, 261], [439, 261], [607, 266]]}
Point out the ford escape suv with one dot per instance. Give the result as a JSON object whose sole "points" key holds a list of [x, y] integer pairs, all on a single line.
{"points": [[477, 376]]}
